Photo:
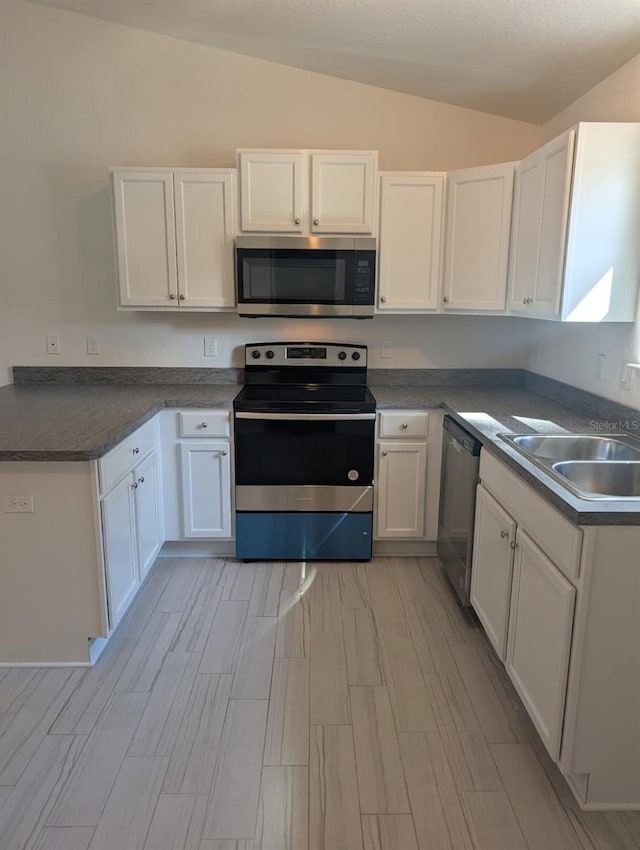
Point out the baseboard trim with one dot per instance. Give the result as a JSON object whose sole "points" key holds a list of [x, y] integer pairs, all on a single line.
{"points": [[227, 549], [405, 548], [198, 549], [84, 663]]}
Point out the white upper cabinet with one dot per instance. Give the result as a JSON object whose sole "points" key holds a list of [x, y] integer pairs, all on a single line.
{"points": [[205, 230], [477, 240], [174, 238], [574, 248], [343, 192], [410, 241], [293, 191], [541, 209], [272, 191], [146, 241]]}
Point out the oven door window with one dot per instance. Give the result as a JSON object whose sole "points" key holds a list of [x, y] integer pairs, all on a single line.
{"points": [[294, 277], [294, 452]]}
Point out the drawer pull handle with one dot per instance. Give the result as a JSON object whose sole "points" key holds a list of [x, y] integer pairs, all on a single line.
{"points": [[504, 534], [404, 426], [136, 451]]}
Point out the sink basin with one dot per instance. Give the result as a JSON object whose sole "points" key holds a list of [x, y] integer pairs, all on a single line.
{"points": [[559, 447], [616, 479]]}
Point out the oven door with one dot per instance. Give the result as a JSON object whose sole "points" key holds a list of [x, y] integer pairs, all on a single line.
{"points": [[305, 282], [304, 449]]}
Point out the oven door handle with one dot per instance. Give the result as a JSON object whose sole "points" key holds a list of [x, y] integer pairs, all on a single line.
{"points": [[306, 417]]}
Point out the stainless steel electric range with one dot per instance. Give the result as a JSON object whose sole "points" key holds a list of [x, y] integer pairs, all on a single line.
{"points": [[304, 448]]}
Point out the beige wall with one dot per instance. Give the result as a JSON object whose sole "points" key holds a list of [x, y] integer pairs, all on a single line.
{"points": [[569, 352], [83, 95]]}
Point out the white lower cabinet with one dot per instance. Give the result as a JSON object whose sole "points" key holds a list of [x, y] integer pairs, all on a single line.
{"points": [[148, 515], [205, 471], [540, 627], [118, 534], [493, 548], [131, 513], [402, 473], [523, 600]]}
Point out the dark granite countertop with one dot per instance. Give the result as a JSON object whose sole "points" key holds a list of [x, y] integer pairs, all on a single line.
{"points": [[57, 421], [486, 412], [83, 421]]}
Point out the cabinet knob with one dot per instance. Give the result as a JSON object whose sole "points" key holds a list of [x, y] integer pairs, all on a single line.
{"points": [[383, 299], [172, 296], [298, 221], [136, 451], [446, 299], [384, 453], [134, 486], [404, 426], [504, 534], [203, 425], [182, 297], [141, 480], [316, 221], [223, 452], [513, 544]]}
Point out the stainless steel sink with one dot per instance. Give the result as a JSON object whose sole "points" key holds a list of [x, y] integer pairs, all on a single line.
{"points": [[591, 466], [556, 447], [614, 479]]}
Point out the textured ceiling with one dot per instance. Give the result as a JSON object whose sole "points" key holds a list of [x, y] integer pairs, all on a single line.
{"points": [[524, 59]]}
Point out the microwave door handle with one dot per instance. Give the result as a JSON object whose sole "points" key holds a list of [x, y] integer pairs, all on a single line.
{"points": [[306, 417]]}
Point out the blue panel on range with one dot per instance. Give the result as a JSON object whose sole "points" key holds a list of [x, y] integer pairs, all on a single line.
{"points": [[304, 536]]}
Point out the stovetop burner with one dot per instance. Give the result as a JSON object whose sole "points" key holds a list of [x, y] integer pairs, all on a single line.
{"points": [[298, 398], [303, 377]]}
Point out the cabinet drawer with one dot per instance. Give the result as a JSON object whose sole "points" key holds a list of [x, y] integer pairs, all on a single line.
{"points": [[204, 423], [556, 536], [404, 424], [127, 454]]}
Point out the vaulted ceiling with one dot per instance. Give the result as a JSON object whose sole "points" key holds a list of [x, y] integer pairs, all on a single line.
{"points": [[524, 59]]}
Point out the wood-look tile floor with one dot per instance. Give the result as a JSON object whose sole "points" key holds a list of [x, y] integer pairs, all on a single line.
{"points": [[286, 707]]}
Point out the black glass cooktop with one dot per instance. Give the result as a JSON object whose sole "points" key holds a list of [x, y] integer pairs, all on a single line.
{"points": [[305, 398]]}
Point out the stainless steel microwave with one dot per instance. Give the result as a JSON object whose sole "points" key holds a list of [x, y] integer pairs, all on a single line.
{"points": [[306, 276]]}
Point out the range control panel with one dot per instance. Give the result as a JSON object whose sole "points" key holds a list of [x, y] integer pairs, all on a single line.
{"points": [[305, 354]]}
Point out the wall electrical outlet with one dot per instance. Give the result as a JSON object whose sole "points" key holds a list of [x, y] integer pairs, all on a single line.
{"points": [[18, 504], [626, 376], [53, 344], [93, 345], [210, 346], [386, 349]]}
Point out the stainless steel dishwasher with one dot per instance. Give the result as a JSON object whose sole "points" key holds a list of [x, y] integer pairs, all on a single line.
{"points": [[460, 465]]}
